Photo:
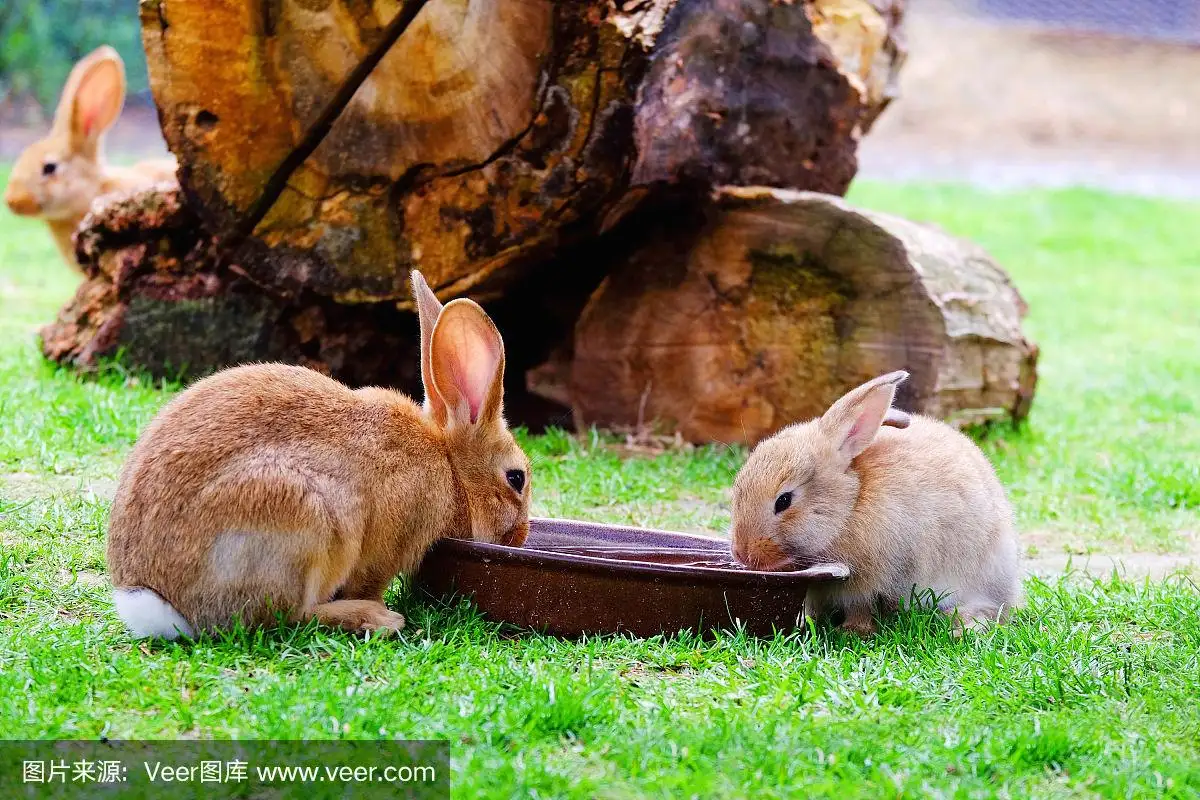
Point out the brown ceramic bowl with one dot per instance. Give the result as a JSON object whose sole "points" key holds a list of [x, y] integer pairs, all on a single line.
{"points": [[572, 578]]}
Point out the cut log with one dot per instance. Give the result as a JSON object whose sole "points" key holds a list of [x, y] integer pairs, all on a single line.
{"points": [[495, 131], [771, 304], [488, 127], [750, 92]]}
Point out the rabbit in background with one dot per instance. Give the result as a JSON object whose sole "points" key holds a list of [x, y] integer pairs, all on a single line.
{"points": [[57, 177], [907, 510]]}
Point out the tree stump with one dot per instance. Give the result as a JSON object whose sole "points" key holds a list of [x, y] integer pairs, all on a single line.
{"points": [[555, 161], [156, 293], [770, 304]]}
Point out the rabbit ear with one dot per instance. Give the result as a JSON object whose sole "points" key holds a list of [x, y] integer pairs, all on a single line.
{"points": [[92, 99], [467, 364], [428, 309], [853, 421]]}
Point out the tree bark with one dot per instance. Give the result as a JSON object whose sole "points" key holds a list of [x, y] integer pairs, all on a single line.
{"points": [[769, 304], [157, 294]]}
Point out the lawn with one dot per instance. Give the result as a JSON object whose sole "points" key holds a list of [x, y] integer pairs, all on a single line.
{"points": [[1093, 689]]}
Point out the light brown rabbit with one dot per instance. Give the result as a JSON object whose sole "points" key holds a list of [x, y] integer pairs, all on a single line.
{"points": [[58, 177], [907, 510], [272, 488]]}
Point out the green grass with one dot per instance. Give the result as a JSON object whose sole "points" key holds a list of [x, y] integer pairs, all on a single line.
{"points": [[1092, 690]]}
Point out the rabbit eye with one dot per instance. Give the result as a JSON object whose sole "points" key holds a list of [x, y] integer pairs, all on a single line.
{"points": [[783, 502], [516, 479], [49, 168]]}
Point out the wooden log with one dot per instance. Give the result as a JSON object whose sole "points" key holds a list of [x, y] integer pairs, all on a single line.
{"points": [[495, 131], [158, 295], [755, 92], [488, 127], [769, 304]]}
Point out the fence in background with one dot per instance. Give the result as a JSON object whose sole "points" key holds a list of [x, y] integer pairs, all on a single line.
{"points": [[1170, 20]]}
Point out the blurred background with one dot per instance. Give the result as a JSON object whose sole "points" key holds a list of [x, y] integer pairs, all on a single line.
{"points": [[39, 43], [997, 93]]}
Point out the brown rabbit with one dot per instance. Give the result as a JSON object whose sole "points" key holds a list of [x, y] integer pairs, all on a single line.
{"points": [[273, 488], [58, 177], [906, 510]]}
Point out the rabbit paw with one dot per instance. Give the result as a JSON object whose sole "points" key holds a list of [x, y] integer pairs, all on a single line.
{"points": [[974, 618], [859, 622], [359, 615]]}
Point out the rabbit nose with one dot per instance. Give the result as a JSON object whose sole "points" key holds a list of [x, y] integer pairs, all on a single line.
{"points": [[516, 537], [764, 554], [739, 552], [21, 202]]}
